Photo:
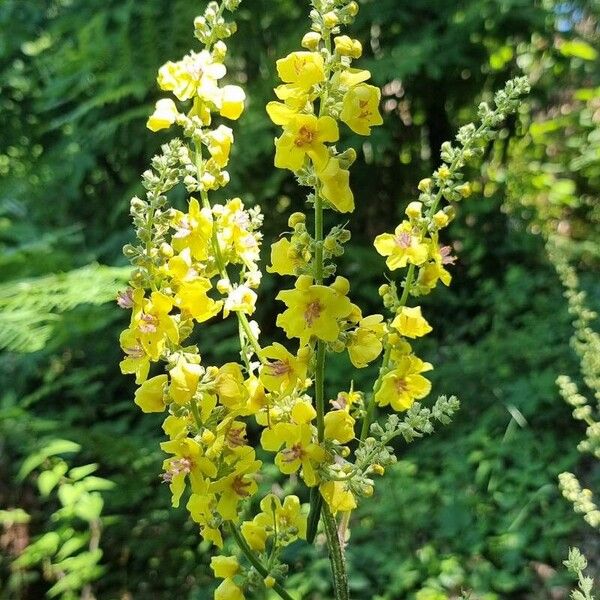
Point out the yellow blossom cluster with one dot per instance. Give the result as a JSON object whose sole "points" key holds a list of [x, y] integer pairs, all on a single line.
{"points": [[200, 263]]}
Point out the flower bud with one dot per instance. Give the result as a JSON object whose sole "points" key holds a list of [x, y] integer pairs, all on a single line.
{"points": [[346, 46], [166, 250], [208, 437], [223, 286], [219, 51], [440, 219], [296, 218], [352, 9], [330, 19], [413, 210], [330, 244], [269, 581], [383, 289], [425, 185], [311, 40], [465, 190], [377, 469]]}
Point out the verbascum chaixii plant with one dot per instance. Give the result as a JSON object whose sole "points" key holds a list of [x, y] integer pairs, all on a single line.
{"points": [[202, 264], [586, 343]]}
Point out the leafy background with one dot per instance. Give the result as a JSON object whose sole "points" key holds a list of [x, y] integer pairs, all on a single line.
{"points": [[475, 507]]}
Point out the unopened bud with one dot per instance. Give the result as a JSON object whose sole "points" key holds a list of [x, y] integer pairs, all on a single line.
{"points": [[352, 9], [330, 19], [311, 40], [377, 469], [413, 210], [269, 581], [465, 190], [383, 289], [440, 219], [425, 185], [166, 250], [296, 218]]}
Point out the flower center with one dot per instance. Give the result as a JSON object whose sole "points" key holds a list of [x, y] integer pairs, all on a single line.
{"points": [[279, 367], [403, 240], [304, 137], [240, 486], [291, 454], [363, 105], [148, 323], [312, 311], [401, 386], [236, 437]]}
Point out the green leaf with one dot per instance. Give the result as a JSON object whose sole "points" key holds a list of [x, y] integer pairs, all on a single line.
{"points": [[78, 473], [48, 480], [72, 545], [89, 507], [52, 448], [578, 49], [14, 516]]}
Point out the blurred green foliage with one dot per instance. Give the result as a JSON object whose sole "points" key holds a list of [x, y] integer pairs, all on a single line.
{"points": [[474, 508]]}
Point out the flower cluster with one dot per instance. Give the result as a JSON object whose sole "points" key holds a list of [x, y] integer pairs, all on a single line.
{"points": [[191, 266], [201, 263]]}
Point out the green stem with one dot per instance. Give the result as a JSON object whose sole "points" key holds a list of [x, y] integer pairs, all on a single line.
{"points": [[255, 561], [336, 556]]}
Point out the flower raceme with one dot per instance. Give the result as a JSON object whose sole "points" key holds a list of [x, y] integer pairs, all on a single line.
{"points": [[201, 263]]}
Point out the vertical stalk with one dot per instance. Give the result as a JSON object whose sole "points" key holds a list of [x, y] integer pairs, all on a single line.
{"points": [[336, 556]]}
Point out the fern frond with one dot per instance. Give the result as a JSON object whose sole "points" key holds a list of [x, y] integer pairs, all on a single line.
{"points": [[31, 308]]}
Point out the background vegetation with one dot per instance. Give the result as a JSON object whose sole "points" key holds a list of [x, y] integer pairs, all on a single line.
{"points": [[474, 508]]}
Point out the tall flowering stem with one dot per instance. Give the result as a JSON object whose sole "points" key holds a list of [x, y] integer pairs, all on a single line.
{"points": [[200, 263]]}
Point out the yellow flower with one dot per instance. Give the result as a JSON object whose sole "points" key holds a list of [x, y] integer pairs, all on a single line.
{"points": [[150, 395], [432, 272], [360, 110], [303, 412], [193, 230], [175, 427], [339, 425], [348, 78], [187, 461], [192, 300], [195, 75], [284, 371], [338, 496], [237, 485], [346, 46], [224, 566], [314, 310], [240, 299], [284, 259], [364, 343], [402, 247], [305, 135], [410, 322], [230, 386], [255, 535], [404, 384], [288, 518], [153, 322], [184, 381], [299, 451], [219, 143], [164, 115], [228, 591], [304, 69], [336, 186], [232, 102], [136, 360], [238, 242]]}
